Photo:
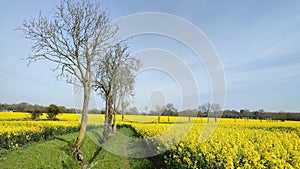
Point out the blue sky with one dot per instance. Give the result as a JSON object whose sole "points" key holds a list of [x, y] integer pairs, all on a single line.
{"points": [[257, 42]]}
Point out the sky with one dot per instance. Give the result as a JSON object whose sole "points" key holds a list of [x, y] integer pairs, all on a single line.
{"points": [[257, 43]]}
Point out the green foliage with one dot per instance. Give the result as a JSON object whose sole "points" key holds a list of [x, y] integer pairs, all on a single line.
{"points": [[35, 114], [56, 154], [53, 111], [26, 107], [11, 140], [35, 111]]}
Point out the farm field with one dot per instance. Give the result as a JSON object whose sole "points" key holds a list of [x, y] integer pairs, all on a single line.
{"points": [[180, 142], [55, 154], [251, 144], [150, 85]]}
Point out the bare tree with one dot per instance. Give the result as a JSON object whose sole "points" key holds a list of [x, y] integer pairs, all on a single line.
{"points": [[157, 111], [216, 110], [205, 109], [123, 87], [133, 111], [169, 110], [115, 82], [74, 38], [210, 109]]}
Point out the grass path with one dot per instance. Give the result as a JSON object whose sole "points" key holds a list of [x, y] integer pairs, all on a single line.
{"points": [[55, 154], [126, 161]]}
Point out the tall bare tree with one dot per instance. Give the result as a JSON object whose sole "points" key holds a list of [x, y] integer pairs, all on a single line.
{"points": [[123, 87], [169, 110], [209, 108], [74, 38], [205, 109], [115, 82], [216, 110]]}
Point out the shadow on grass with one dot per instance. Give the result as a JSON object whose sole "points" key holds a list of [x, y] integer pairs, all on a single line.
{"points": [[67, 159], [129, 149], [61, 139], [96, 153]]}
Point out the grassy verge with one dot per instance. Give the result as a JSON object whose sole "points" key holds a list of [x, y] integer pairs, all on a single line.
{"points": [[55, 154]]}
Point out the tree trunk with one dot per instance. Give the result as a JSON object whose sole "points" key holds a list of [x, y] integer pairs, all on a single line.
{"points": [[106, 124], [84, 118], [108, 120], [115, 123]]}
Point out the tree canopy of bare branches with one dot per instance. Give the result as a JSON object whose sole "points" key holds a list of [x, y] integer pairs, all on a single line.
{"points": [[115, 82], [74, 37]]}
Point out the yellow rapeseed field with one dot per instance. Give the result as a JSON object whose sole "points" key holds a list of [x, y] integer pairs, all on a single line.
{"points": [[185, 142], [240, 144], [14, 115], [15, 127]]}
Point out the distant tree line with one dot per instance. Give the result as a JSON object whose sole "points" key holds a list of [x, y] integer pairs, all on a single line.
{"points": [[261, 114], [26, 107], [36, 110], [214, 110], [204, 110]]}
